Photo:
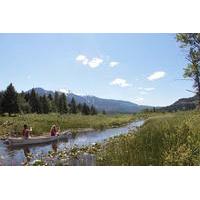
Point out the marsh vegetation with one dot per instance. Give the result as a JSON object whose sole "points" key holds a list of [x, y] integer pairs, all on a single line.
{"points": [[170, 139]]}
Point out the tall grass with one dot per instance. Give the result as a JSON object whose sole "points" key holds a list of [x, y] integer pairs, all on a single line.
{"points": [[41, 123], [172, 139]]}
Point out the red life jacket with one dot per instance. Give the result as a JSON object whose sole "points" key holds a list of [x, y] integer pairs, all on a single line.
{"points": [[26, 133], [53, 132]]}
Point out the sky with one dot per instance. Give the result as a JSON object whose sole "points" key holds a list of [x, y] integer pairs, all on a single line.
{"points": [[141, 68]]}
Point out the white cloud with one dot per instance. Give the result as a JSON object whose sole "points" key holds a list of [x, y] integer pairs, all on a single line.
{"points": [[29, 77], [64, 90], [113, 64], [139, 99], [120, 82], [92, 63], [156, 75], [145, 90], [80, 57]]}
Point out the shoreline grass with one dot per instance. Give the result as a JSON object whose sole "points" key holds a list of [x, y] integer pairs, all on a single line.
{"points": [[171, 139], [42, 123]]}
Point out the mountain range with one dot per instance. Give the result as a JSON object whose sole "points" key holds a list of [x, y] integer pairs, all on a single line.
{"points": [[182, 104], [119, 106], [109, 105]]}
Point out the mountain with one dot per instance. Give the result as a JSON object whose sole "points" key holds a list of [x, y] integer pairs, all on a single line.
{"points": [[182, 104], [41, 91], [109, 105]]}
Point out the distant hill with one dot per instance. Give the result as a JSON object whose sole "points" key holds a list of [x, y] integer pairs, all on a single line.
{"points": [[109, 105], [182, 104]]}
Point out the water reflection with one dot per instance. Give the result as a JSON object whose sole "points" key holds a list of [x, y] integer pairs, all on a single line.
{"points": [[54, 147], [27, 154]]}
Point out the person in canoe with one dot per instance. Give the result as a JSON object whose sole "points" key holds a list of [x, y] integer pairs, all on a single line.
{"points": [[54, 131], [26, 132]]}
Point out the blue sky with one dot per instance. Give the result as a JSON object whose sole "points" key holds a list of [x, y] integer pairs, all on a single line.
{"points": [[140, 68]]}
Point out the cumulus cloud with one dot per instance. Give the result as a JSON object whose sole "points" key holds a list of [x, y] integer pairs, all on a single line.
{"points": [[64, 90], [156, 75], [92, 63], [95, 62], [139, 99], [113, 64], [80, 57], [120, 82]]}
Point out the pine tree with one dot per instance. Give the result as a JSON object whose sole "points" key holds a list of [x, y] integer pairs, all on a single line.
{"points": [[79, 107], [50, 98], [1, 98], [62, 106], [35, 102], [57, 100], [93, 110], [45, 105], [73, 106], [24, 106], [104, 112], [9, 102], [27, 97], [86, 109]]}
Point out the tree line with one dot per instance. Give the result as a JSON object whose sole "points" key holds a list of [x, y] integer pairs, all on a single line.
{"points": [[12, 102]]}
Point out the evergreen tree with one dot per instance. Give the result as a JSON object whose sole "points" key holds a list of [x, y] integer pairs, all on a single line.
{"points": [[1, 98], [45, 105], [52, 107], [93, 110], [62, 106], [79, 107], [24, 106], [56, 99], [104, 112], [9, 102], [73, 106], [86, 109], [34, 102], [27, 97], [50, 98]]}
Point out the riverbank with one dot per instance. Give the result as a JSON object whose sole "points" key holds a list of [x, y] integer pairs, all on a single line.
{"points": [[171, 139], [42, 123], [83, 148]]}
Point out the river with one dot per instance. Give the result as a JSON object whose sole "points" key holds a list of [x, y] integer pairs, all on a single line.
{"points": [[17, 156]]}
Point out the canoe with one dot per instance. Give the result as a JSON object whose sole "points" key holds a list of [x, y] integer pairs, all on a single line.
{"points": [[37, 140]]}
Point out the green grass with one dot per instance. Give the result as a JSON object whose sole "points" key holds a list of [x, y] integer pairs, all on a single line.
{"points": [[42, 123], [170, 139]]}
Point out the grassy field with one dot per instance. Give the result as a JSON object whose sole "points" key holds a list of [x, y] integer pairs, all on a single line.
{"points": [[170, 139], [42, 123]]}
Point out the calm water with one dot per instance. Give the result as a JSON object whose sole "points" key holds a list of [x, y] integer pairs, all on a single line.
{"points": [[16, 156]]}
